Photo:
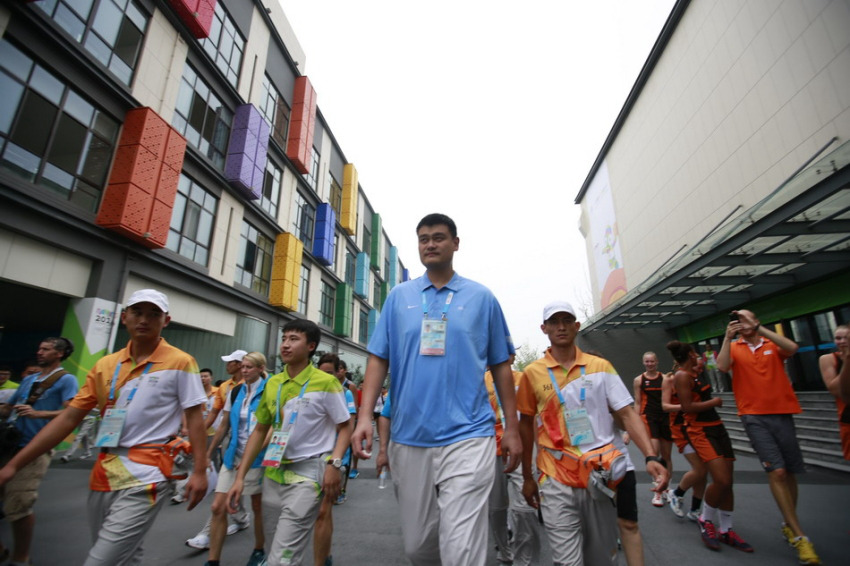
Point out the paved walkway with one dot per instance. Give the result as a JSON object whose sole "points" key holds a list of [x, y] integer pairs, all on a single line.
{"points": [[368, 532]]}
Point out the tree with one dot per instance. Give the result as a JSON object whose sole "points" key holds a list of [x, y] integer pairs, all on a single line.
{"points": [[525, 354]]}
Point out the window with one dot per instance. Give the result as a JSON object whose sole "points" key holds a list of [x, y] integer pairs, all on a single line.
{"points": [[202, 118], [336, 252], [305, 214], [192, 221], [304, 289], [254, 262], [313, 176], [364, 327], [111, 30], [350, 267], [49, 134], [275, 111], [224, 45], [367, 239], [335, 196], [326, 309], [271, 189], [376, 290]]}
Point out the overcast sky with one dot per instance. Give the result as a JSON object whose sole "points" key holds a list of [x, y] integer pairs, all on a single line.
{"points": [[489, 111]]}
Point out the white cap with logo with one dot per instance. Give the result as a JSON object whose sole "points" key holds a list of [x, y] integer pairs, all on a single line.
{"points": [[148, 296], [555, 307], [236, 356]]}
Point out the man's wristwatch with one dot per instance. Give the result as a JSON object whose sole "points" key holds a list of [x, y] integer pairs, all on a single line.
{"points": [[658, 459], [335, 462]]}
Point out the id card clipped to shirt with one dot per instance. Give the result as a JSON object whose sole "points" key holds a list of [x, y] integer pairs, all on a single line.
{"points": [[280, 438], [432, 334], [111, 426]]}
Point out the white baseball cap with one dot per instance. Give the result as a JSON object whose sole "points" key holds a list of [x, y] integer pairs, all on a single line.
{"points": [[148, 296], [555, 307], [236, 356]]}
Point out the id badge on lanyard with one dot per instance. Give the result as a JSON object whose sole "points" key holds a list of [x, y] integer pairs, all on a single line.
{"points": [[579, 426], [112, 423], [432, 334], [280, 438]]}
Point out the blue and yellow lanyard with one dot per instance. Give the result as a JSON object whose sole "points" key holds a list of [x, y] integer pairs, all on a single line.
{"points": [[294, 414], [445, 307], [558, 389], [111, 401]]}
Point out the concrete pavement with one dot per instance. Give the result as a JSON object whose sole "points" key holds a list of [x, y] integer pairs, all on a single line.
{"points": [[368, 532]]}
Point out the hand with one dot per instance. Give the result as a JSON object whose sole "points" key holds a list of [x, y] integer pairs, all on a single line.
{"points": [[660, 475], [196, 489], [531, 492], [733, 328], [382, 461], [511, 450], [26, 411], [331, 482], [6, 474], [718, 401], [362, 434], [234, 495], [626, 438]]}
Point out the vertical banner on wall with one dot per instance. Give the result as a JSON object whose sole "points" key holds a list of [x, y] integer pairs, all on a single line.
{"points": [[88, 323], [607, 257]]}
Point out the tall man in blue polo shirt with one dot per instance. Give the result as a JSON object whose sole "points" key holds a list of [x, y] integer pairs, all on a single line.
{"points": [[436, 335]]}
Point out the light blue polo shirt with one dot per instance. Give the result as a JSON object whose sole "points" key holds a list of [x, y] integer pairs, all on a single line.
{"points": [[441, 400]]}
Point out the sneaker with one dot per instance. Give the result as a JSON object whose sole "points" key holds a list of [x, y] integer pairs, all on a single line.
{"points": [[257, 557], [657, 500], [788, 534], [177, 499], [693, 516], [340, 500], [235, 527], [676, 503], [65, 459], [805, 551], [201, 542], [731, 538], [353, 474], [709, 535], [329, 561]]}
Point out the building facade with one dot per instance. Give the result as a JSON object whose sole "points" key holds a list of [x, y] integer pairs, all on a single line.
{"points": [[725, 184], [176, 145]]}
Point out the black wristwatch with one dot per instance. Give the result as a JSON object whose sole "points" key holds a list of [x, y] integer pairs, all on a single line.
{"points": [[335, 462], [658, 459]]}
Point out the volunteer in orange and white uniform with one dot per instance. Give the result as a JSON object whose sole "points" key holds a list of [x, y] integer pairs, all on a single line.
{"points": [[141, 390], [647, 391], [234, 370], [766, 404], [574, 394], [705, 432], [523, 549], [830, 367]]}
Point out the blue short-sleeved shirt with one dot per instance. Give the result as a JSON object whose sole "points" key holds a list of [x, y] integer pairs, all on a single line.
{"points": [[64, 389], [441, 400], [349, 402]]}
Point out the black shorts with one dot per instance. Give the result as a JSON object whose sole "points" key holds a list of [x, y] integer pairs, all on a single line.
{"points": [[627, 497], [659, 426], [710, 442]]}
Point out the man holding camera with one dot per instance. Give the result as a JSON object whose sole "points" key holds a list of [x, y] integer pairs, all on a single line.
{"points": [[40, 397], [766, 404]]}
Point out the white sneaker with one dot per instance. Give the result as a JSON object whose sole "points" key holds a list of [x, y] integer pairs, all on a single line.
{"points": [[201, 542], [234, 528], [693, 516], [657, 500], [676, 503]]}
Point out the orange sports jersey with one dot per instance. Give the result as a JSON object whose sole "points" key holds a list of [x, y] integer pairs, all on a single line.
{"points": [[536, 396], [701, 391], [650, 395], [759, 381], [494, 403], [221, 394]]}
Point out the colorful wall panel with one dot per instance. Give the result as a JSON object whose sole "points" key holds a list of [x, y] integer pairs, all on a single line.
{"points": [[405, 275], [302, 124], [377, 250], [348, 213], [323, 235], [385, 290], [197, 15], [392, 276], [343, 305], [286, 271], [247, 151], [139, 197], [361, 275]]}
